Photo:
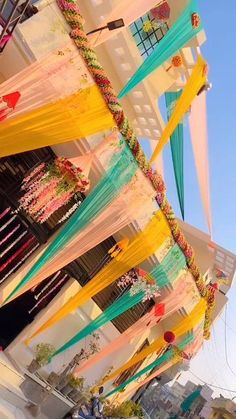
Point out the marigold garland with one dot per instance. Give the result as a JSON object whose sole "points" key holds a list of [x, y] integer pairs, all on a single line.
{"points": [[71, 13]]}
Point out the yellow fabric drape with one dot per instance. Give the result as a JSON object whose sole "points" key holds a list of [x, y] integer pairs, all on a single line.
{"points": [[195, 82], [188, 323], [79, 115], [139, 249]]}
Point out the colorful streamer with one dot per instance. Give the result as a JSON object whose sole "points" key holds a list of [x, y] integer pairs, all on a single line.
{"points": [[142, 246], [163, 274], [41, 82], [180, 33], [108, 188], [185, 325], [197, 79], [77, 116], [165, 308], [75, 20], [158, 362], [177, 148], [198, 130]]}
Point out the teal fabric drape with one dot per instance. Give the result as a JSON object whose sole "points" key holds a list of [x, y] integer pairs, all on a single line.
{"points": [[187, 403], [123, 167], [177, 148], [164, 273], [176, 38], [157, 363]]}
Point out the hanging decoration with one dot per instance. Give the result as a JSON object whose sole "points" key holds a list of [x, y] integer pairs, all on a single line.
{"points": [[128, 300], [22, 260], [192, 320], [177, 147], [142, 246], [190, 91], [41, 82], [191, 349], [5, 212], [169, 337], [176, 62], [180, 33], [50, 187], [199, 138], [161, 12], [122, 170], [141, 282], [76, 116], [8, 104], [210, 298], [196, 20], [160, 311], [221, 277], [168, 355], [16, 254], [76, 22], [55, 287]]}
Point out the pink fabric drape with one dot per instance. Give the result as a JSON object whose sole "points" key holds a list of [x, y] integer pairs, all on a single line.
{"points": [[129, 11], [133, 201], [55, 76], [171, 303], [198, 130]]}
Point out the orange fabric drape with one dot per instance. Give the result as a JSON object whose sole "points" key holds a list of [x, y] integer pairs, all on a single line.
{"points": [[198, 130]]}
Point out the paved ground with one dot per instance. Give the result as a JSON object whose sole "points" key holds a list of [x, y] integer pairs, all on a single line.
{"points": [[12, 400]]}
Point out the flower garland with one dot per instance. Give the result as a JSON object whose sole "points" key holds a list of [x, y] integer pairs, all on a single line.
{"points": [[71, 13], [17, 253], [11, 245], [36, 296], [49, 187], [7, 223], [9, 234], [19, 263], [5, 212], [57, 285], [69, 212]]}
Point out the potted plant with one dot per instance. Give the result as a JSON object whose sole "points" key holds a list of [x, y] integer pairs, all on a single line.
{"points": [[43, 354], [127, 409], [74, 383]]}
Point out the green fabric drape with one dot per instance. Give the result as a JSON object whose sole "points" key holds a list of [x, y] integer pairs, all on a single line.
{"points": [[123, 167], [187, 403], [164, 273], [176, 38], [157, 363], [177, 148]]}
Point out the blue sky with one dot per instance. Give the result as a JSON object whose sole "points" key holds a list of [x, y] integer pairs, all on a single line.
{"points": [[219, 20]]}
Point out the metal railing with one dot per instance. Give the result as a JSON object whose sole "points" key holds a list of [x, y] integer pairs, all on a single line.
{"points": [[10, 16]]}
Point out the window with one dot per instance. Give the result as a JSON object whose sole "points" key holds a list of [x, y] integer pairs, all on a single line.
{"points": [[147, 42], [132, 370]]}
